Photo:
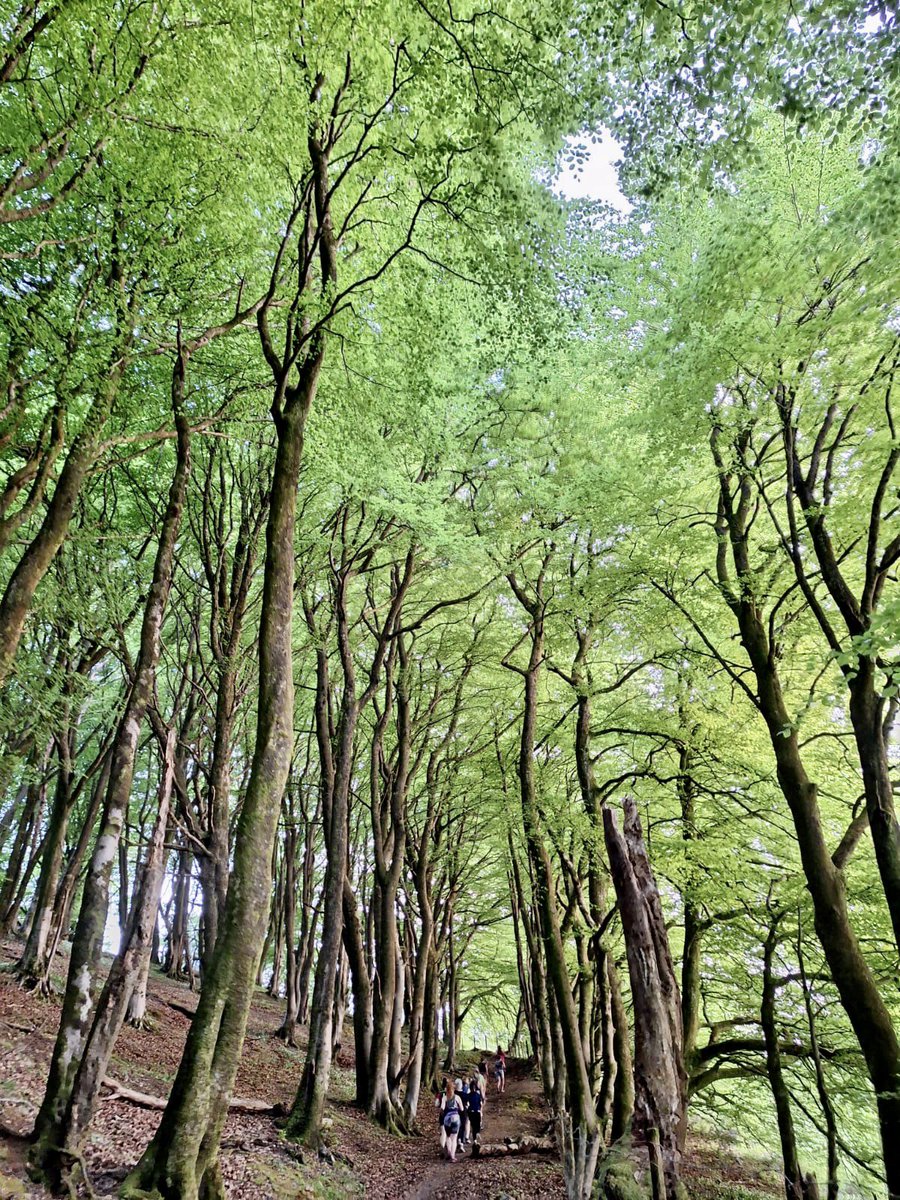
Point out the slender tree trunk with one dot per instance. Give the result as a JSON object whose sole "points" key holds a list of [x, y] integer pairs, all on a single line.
{"points": [[309, 1104], [793, 1178], [581, 1130], [24, 809], [216, 868], [128, 969], [417, 1021], [623, 1095], [83, 980], [65, 894], [396, 1068], [31, 568], [16, 878], [831, 1127], [178, 956], [362, 997], [34, 965]]}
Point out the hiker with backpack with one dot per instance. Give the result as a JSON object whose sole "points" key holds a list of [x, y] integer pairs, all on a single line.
{"points": [[451, 1120]]}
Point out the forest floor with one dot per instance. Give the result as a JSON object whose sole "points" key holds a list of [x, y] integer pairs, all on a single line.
{"points": [[257, 1163]]}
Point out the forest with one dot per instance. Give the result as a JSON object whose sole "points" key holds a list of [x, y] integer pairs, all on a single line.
{"points": [[449, 599]]}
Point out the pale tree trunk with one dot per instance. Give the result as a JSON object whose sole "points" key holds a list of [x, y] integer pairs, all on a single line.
{"points": [[83, 980], [128, 970], [65, 893], [33, 967]]}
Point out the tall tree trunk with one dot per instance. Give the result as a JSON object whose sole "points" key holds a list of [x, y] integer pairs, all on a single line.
{"points": [[33, 967], [83, 980], [867, 715], [128, 969], [831, 1127], [68, 884], [309, 1103], [182, 1159], [18, 874], [417, 1020], [362, 997], [581, 1130], [660, 1081], [623, 1095], [178, 956], [793, 1178], [31, 568], [862, 1001], [288, 1028]]}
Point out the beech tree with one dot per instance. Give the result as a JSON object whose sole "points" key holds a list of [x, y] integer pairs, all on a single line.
{"points": [[468, 614]]}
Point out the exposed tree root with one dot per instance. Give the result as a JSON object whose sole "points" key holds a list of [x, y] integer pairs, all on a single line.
{"points": [[37, 985], [286, 1035]]}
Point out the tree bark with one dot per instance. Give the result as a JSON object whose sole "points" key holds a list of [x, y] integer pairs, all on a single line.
{"points": [[128, 969], [31, 568], [660, 1083], [581, 1161], [182, 1159], [793, 1177], [83, 983], [862, 1001]]}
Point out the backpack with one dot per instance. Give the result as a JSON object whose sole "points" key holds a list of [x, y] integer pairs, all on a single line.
{"points": [[451, 1118]]}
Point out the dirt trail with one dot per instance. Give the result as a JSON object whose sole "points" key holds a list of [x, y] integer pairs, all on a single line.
{"points": [[518, 1110], [256, 1162]]}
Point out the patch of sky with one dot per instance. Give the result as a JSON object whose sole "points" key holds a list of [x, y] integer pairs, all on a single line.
{"points": [[588, 169]]}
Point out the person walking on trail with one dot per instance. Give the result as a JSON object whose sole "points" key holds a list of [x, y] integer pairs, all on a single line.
{"points": [[500, 1071], [462, 1092], [476, 1106], [439, 1100], [451, 1120], [483, 1080]]}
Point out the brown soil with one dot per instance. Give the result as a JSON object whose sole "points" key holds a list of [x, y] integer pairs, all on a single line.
{"points": [[257, 1163]]}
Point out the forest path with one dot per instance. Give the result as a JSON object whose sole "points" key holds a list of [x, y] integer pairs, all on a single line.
{"points": [[256, 1162], [518, 1110]]}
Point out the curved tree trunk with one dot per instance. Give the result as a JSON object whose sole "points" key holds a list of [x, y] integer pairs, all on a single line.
{"points": [[862, 1001], [15, 604]]}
